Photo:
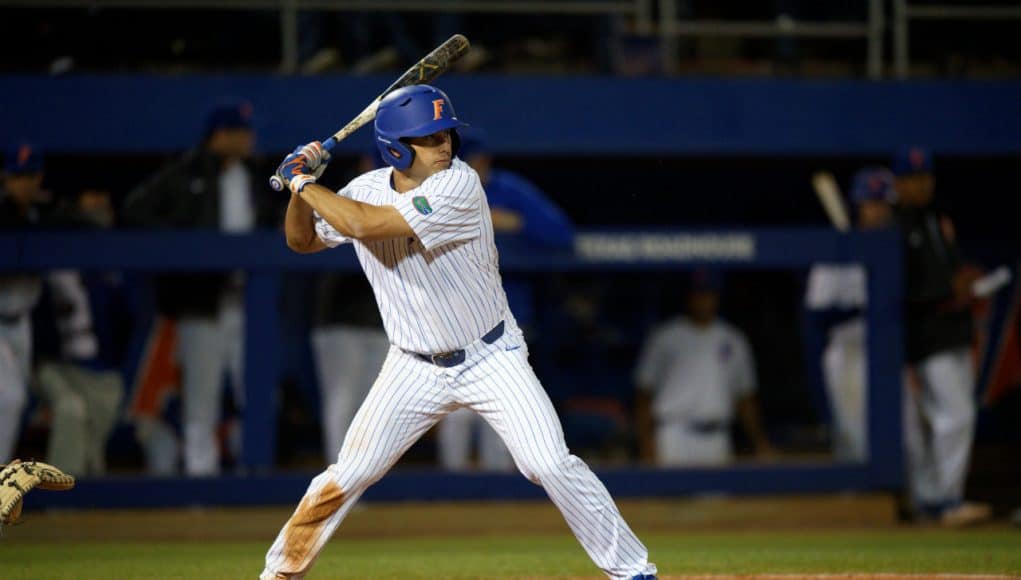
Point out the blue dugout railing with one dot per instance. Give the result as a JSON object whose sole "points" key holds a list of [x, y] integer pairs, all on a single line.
{"points": [[121, 114], [265, 256]]}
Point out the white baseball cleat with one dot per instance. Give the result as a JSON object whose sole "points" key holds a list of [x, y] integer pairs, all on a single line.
{"points": [[966, 514]]}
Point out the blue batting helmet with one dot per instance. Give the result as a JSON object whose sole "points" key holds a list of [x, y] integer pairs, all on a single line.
{"points": [[912, 160], [24, 159], [414, 111], [873, 184]]}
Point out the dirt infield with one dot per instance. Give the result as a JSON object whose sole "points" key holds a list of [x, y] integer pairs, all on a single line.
{"points": [[462, 518]]}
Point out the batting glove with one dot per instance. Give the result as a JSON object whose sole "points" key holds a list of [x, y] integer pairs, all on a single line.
{"points": [[295, 171], [317, 156]]}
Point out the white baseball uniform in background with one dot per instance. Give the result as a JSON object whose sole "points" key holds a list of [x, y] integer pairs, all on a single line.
{"points": [[347, 359], [455, 436], [695, 376], [18, 295], [439, 292], [845, 358], [209, 347]]}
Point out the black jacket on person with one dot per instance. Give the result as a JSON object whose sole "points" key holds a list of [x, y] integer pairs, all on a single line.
{"points": [[186, 195], [14, 217], [933, 323]]}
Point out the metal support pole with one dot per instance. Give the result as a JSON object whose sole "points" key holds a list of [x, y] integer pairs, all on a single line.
{"points": [[288, 36], [885, 348], [643, 16], [262, 370], [874, 65], [900, 38], [667, 39]]}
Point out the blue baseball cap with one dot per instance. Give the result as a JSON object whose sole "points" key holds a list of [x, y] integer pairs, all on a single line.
{"points": [[706, 280], [912, 160], [873, 184], [233, 115], [23, 159]]}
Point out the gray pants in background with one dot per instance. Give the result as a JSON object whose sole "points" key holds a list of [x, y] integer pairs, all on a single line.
{"points": [[939, 424], [85, 406], [15, 359]]}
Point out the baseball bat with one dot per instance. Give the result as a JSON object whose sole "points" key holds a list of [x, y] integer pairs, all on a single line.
{"points": [[990, 283], [828, 192], [431, 66]]}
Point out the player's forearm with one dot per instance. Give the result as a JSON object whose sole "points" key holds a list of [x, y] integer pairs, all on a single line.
{"points": [[751, 421], [354, 219], [299, 227], [644, 425]]}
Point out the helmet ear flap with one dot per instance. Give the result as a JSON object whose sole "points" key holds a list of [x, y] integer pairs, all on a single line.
{"points": [[395, 153]]}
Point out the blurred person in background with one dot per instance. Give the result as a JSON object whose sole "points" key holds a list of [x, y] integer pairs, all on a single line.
{"points": [[940, 408], [77, 376], [519, 208], [22, 207], [348, 341], [216, 186], [694, 373], [836, 298]]}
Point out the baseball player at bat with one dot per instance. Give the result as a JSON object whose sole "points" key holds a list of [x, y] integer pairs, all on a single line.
{"points": [[423, 233]]}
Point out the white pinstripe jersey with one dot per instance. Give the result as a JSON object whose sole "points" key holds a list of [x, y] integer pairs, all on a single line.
{"points": [[441, 291]]}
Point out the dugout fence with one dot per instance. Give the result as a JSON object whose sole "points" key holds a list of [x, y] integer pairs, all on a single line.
{"points": [[265, 257]]}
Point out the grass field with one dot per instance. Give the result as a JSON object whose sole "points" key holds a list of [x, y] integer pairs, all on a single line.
{"points": [[972, 552], [500, 542]]}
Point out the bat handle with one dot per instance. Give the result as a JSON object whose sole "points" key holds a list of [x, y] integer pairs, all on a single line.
{"points": [[278, 184]]}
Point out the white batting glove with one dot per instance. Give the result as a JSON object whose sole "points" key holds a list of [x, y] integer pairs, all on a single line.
{"points": [[317, 156], [297, 183]]}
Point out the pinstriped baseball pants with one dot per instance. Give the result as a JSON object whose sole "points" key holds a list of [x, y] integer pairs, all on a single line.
{"points": [[409, 397]]}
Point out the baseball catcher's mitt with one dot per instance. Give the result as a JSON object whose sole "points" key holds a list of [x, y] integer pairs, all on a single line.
{"points": [[18, 478]]}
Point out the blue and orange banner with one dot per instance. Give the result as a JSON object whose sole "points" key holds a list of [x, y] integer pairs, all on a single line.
{"points": [[998, 344]]}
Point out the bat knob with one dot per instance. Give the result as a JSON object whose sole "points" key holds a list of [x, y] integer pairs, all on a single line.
{"points": [[276, 183]]}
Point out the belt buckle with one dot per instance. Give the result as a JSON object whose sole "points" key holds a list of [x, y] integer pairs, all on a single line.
{"points": [[441, 356]]}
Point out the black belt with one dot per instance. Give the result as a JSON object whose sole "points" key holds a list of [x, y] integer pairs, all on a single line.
{"points": [[456, 357], [10, 319], [707, 427]]}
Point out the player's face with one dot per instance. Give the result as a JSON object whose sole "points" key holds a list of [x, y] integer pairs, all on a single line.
{"points": [[233, 143], [874, 214], [914, 190], [481, 163], [432, 153], [24, 187], [703, 306]]}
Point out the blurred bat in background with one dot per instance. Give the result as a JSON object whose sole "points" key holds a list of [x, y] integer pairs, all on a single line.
{"points": [[828, 192], [431, 66], [990, 283]]}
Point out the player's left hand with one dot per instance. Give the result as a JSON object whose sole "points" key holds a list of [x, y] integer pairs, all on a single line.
{"points": [[295, 170], [18, 478], [963, 280]]}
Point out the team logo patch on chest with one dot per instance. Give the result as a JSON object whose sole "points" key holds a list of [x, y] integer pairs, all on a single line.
{"points": [[422, 205]]}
